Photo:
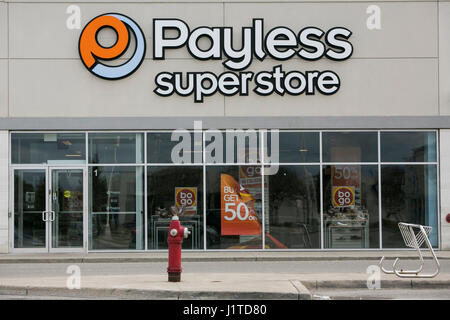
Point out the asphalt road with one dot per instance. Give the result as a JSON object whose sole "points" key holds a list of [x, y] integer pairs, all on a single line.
{"points": [[362, 294], [381, 294]]}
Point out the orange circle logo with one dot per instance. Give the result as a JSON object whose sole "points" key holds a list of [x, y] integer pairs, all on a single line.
{"points": [[91, 52]]}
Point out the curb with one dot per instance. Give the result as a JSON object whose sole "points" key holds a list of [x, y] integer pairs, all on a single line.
{"points": [[135, 294], [303, 292], [385, 284]]}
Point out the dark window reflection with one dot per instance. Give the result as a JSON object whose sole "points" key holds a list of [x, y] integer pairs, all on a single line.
{"points": [[350, 204], [350, 147], [294, 147], [408, 146], [186, 147], [293, 208], [116, 148], [159, 147], [233, 207], [48, 147], [116, 207], [169, 186], [409, 194]]}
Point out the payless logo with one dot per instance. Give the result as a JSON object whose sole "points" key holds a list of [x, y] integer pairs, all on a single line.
{"points": [[92, 53]]}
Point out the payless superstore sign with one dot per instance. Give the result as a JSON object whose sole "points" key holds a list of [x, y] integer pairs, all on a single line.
{"points": [[280, 43]]}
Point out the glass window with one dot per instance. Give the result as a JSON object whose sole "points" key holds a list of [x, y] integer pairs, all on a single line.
{"points": [[409, 194], [292, 147], [116, 208], [350, 206], [116, 148], [50, 148], [233, 207], [174, 147], [408, 146], [292, 202], [179, 186], [232, 146], [350, 147]]}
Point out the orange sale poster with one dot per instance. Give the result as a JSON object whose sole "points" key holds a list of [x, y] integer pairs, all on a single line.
{"points": [[238, 215]]}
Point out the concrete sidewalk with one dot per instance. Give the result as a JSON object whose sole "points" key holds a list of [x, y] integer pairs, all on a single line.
{"points": [[192, 286], [241, 286], [208, 286], [200, 256]]}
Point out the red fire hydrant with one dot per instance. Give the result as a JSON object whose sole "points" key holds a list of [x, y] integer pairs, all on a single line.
{"points": [[175, 240]]}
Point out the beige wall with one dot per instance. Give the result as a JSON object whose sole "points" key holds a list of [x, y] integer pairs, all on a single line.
{"points": [[4, 200], [3, 60], [444, 57], [445, 186], [393, 71], [3, 30], [444, 102]]}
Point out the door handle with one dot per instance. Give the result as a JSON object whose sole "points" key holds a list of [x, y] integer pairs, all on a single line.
{"points": [[44, 216], [52, 216]]}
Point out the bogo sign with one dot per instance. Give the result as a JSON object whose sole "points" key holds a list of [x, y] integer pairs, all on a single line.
{"points": [[186, 197], [343, 197]]}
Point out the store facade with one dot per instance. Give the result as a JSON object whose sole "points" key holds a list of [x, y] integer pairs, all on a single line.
{"points": [[287, 126]]}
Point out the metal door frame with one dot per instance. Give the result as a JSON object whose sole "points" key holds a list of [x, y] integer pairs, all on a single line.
{"points": [[50, 170], [48, 227]]}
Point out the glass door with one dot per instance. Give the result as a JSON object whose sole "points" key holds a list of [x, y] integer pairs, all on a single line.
{"points": [[48, 206], [30, 210], [66, 209]]}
